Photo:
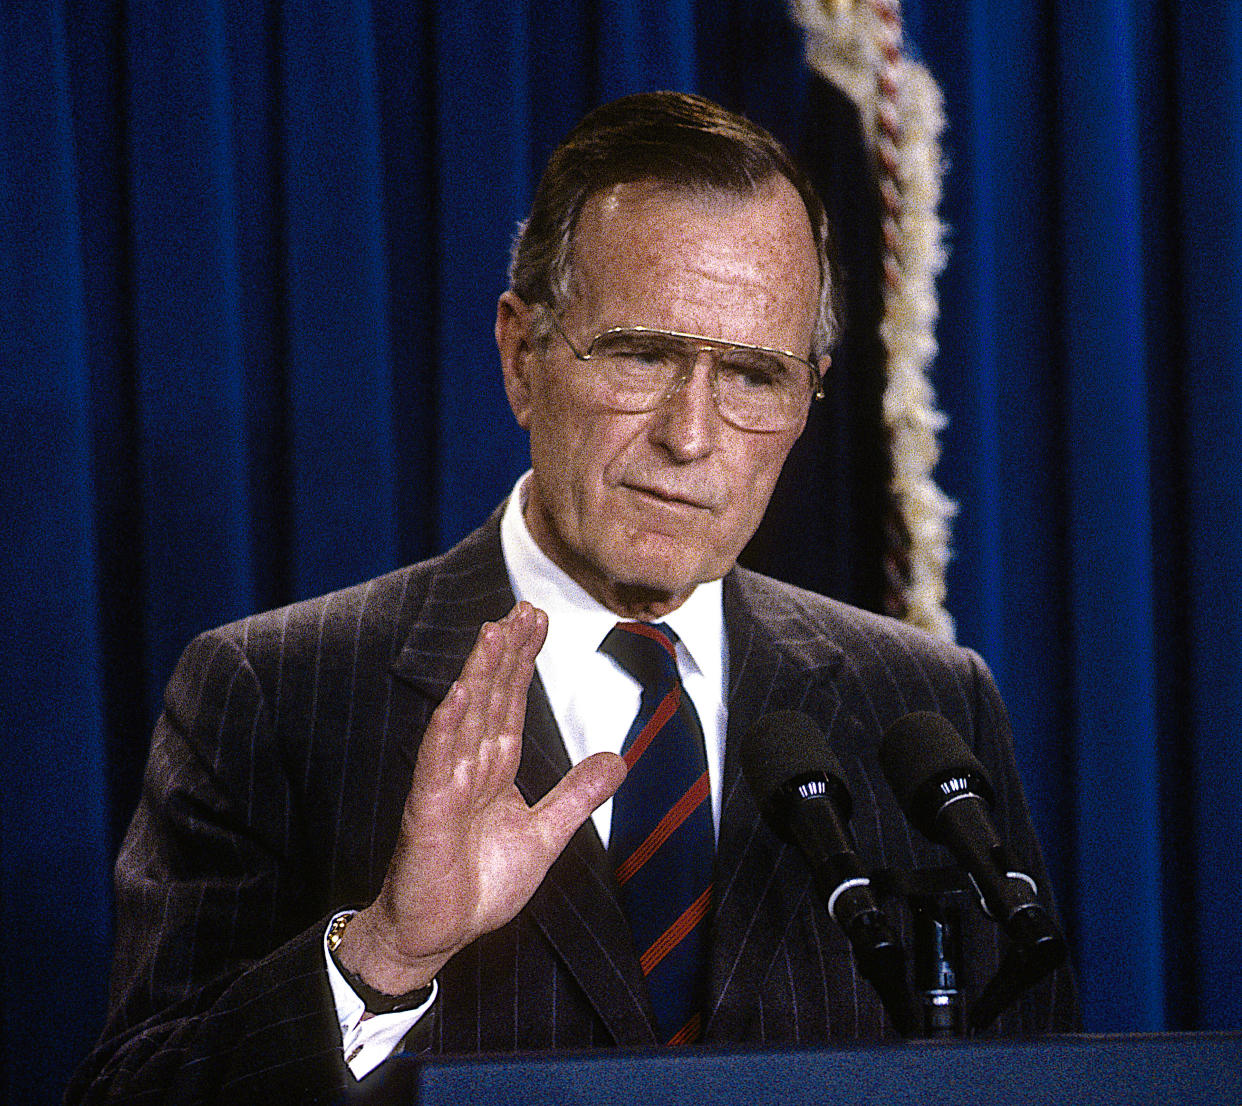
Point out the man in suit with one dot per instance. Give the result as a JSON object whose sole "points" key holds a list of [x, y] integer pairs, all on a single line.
{"points": [[368, 818]]}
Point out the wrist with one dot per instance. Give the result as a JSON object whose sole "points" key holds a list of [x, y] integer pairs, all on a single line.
{"points": [[365, 955]]}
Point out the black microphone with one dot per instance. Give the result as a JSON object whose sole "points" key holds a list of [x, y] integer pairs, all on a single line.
{"points": [[947, 796], [799, 788]]}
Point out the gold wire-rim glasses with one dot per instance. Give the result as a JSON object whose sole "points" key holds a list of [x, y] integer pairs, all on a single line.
{"points": [[700, 343]]}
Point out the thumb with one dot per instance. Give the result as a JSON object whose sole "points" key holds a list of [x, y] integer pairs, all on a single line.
{"points": [[587, 784]]}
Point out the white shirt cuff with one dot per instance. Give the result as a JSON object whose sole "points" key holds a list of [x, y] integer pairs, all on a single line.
{"points": [[368, 1040]]}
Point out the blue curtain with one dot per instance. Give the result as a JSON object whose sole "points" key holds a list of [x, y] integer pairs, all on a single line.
{"points": [[249, 255], [1090, 365]]}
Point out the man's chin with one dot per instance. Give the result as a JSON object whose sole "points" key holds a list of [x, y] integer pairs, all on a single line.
{"points": [[662, 577], [645, 587]]}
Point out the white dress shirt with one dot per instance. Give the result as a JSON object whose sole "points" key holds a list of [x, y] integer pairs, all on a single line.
{"points": [[593, 699]]}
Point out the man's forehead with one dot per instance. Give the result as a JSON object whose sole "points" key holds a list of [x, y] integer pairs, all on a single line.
{"points": [[646, 219], [651, 243]]}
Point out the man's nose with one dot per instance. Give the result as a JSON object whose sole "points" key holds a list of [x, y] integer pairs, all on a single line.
{"points": [[687, 421]]}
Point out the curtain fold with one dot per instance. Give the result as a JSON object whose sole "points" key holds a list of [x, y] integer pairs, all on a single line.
{"points": [[339, 419], [1205, 973], [483, 112], [1103, 342], [184, 316], [249, 257], [55, 848]]}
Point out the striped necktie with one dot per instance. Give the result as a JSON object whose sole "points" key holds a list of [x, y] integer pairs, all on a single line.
{"points": [[661, 842]]}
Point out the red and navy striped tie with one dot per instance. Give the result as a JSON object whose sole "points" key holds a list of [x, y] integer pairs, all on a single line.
{"points": [[661, 841]]}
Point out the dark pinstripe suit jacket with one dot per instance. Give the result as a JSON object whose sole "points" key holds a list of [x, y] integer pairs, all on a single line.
{"points": [[271, 799]]}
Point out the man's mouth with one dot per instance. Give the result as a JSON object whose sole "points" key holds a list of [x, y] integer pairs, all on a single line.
{"points": [[676, 497]]}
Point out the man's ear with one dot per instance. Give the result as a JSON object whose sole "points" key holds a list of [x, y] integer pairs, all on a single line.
{"points": [[513, 319], [824, 364]]}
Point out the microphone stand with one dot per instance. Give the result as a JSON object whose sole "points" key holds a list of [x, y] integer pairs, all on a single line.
{"points": [[937, 952], [934, 897]]}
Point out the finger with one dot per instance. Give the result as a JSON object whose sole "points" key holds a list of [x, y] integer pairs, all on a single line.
{"points": [[506, 705], [487, 651], [488, 736], [534, 627], [452, 733], [562, 810], [503, 673], [437, 751], [530, 631], [480, 743], [484, 662], [533, 630]]}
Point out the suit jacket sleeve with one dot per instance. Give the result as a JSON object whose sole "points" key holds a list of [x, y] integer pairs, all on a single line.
{"points": [[208, 884]]}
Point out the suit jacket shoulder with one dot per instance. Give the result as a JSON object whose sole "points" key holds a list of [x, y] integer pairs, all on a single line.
{"points": [[877, 668]]}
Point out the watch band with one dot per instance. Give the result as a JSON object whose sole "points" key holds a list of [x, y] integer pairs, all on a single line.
{"points": [[376, 1002]]}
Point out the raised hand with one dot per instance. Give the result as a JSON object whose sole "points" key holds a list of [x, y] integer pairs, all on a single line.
{"points": [[470, 852]]}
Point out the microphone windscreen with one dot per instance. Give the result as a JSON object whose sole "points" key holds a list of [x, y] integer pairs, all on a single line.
{"points": [[784, 746], [919, 751]]}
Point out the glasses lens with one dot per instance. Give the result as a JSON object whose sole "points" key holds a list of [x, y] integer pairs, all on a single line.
{"points": [[759, 390], [639, 367]]}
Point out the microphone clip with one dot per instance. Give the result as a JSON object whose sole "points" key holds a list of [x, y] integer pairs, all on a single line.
{"points": [[1035, 949]]}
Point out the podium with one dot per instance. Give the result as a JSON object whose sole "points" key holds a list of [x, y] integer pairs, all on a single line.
{"points": [[1186, 1069]]}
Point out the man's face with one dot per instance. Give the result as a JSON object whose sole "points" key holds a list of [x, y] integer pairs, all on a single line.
{"points": [[641, 508]]}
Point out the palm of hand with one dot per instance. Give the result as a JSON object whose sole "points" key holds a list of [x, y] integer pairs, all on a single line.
{"points": [[470, 852]]}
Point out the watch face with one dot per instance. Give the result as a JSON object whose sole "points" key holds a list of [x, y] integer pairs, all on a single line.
{"points": [[336, 928]]}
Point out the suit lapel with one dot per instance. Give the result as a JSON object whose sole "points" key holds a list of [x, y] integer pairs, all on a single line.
{"points": [[469, 588], [761, 884], [576, 906]]}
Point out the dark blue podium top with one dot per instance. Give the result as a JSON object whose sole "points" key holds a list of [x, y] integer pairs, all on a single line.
{"points": [[1168, 1069]]}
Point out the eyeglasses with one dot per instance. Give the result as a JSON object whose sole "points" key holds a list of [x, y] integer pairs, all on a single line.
{"points": [[754, 387]]}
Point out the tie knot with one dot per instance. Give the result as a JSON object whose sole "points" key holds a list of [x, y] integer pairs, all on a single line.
{"points": [[646, 650]]}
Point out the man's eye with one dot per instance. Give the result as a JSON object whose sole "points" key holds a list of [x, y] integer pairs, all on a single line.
{"points": [[754, 370], [638, 348]]}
